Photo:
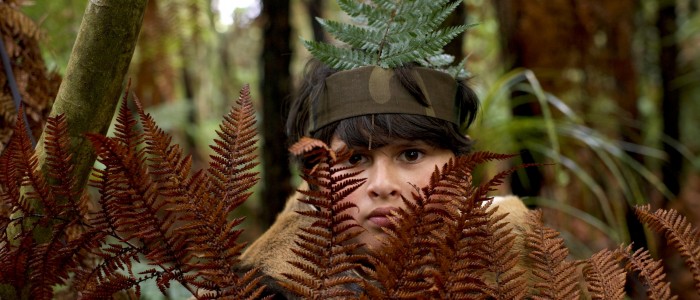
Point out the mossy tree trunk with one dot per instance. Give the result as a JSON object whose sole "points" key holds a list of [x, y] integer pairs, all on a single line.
{"points": [[94, 78]]}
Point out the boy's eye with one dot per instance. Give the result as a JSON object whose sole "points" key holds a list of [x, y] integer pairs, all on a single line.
{"points": [[412, 155], [355, 159]]}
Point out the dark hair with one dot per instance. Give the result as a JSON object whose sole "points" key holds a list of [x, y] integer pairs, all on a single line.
{"points": [[377, 130]]}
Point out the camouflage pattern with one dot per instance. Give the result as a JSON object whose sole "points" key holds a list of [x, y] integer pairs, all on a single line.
{"points": [[374, 90]]}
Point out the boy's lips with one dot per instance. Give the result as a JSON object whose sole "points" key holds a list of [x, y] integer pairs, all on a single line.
{"points": [[380, 216]]}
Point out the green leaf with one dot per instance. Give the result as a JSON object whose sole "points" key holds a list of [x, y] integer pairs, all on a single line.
{"points": [[391, 33]]}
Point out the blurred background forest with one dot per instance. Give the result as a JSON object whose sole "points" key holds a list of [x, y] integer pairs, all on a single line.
{"points": [[606, 91]]}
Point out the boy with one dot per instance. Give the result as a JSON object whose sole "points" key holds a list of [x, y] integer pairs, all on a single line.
{"points": [[400, 123]]}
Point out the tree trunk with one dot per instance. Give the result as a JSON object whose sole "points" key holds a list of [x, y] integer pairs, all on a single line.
{"points": [[276, 87], [456, 18], [670, 102], [90, 90], [315, 9], [514, 51]]}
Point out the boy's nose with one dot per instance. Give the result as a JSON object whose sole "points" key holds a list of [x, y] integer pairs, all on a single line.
{"points": [[383, 182]]}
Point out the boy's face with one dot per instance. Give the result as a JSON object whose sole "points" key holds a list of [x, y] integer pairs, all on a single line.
{"points": [[391, 172]]}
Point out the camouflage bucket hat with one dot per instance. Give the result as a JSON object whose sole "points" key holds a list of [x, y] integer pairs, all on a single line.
{"points": [[374, 90]]}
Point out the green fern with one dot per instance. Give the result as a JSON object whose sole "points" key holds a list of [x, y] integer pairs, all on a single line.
{"points": [[391, 33]]}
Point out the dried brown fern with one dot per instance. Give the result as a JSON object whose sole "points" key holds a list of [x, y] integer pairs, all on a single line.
{"points": [[141, 217], [678, 232], [151, 211], [465, 255], [554, 277], [45, 239], [205, 202], [37, 87], [605, 277], [231, 176], [650, 272], [404, 267], [509, 282], [147, 191], [325, 250]]}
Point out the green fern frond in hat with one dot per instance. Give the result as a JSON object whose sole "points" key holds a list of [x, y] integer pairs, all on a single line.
{"points": [[390, 33]]}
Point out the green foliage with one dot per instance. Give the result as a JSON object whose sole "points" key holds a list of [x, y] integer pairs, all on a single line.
{"points": [[561, 135], [389, 34]]}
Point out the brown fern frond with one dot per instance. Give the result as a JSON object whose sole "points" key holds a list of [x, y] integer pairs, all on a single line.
{"points": [[115, 258], [138, 209], [48, 239], [678, 232], [605, 277], [219, 191], [507, 281], [125, 126], [27, 164], [460, 265], [404, 267], [166, 162], [179, 223], [19, 23], [231, 167], [50, 264], [650, 272], [59, 169], [15, 260], [109, 286], [555, 277], [473, 242], [214, 239], [325, 251], [10, 182], [306, 144]]}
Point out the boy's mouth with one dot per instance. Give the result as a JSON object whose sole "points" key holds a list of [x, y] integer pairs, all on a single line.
{"points": [[380, 216]]}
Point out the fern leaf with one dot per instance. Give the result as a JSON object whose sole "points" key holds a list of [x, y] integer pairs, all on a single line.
{"points": [[139, 212], [112, 284], [458, 260], [15, 260], [339, 58], [125, 126], [508, 281], [404, 264], [356, 37], [650, 272], [606, 279], [679, 233], [390, 33], [555, 277], [166, 162], [10, 182], [58, 160], [27, 164], [230, 168], [324, 253], [19, 23]]}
